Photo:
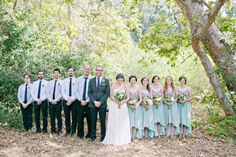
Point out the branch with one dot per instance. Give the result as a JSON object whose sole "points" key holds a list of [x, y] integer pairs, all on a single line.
{"points": [[187, 58], [173, 14], [181, 3], [212, 15], [207, 5], [176, 20], [14, 6]]}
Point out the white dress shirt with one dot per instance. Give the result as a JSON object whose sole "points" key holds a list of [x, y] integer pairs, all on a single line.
{"points": [[43, 91], [81, 81], [21, 93], [65, 89], [100, 80], [50, 89]]}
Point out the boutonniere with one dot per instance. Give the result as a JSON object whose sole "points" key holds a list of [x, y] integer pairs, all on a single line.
{"points": [[58, 84], [43, 85], [103, 82], [73, 83]]}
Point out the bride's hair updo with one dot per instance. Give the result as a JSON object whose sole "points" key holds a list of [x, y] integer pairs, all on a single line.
{"points": [[120, 76], [133, 76]]}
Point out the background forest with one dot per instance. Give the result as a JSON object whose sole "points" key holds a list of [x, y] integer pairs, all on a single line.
{"points": [[144, 38]]}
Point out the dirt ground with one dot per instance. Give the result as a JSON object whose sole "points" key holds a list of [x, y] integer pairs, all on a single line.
{"points": [[20, 144]]}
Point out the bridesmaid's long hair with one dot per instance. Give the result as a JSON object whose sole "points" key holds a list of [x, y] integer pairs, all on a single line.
{"points": [[172, 84], [148, 86]]}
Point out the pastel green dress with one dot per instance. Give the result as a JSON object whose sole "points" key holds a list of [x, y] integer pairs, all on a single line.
{"points": [[135, 115], [184, 110], [158, 112], [171, 113], [147, 116]]}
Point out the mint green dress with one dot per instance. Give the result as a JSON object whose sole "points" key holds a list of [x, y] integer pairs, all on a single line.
{"points": [[172, 113], [135, 116], [185, 111], [158, 112], [147, 116]]}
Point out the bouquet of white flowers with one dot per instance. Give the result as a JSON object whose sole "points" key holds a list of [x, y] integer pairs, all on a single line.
{"points": [[132, 103], [182, 97], [169, 99], [157, 99], [147, 101], [119, 96]]}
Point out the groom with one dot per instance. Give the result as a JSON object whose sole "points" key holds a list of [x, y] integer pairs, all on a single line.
{"points": [[98, 92]]}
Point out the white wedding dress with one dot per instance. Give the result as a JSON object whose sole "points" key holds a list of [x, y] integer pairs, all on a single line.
{"points": [[118, 125]]}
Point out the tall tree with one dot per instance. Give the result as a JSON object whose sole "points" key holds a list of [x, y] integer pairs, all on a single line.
{"points": [[206, 35], [209, 43]]}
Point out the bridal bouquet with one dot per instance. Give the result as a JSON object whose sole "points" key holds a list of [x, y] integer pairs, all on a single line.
{"points": [[119, 96], [169, 99], [147, 101], [183, 97], [132, 103], [157, 99]]}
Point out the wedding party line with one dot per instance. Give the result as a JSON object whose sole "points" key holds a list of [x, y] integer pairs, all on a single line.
{"points": [[135, 112]]}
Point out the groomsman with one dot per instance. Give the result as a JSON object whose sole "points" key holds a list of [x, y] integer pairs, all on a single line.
{"points": [[39, 95], [98, 91], [54, 98], [25, 99], [70, 103], [83, 109]]}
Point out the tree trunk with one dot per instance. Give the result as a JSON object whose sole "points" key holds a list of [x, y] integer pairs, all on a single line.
{"points": [[213, 40], [221, 55], [226, 104], [215, 46]]}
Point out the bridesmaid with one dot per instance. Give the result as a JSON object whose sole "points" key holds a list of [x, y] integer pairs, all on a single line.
{"points": [[171, 107], [184, 98], [134, 109], [147, 110], [158, 107]]}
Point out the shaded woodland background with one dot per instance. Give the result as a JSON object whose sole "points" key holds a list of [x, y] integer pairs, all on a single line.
{"points": [[138, 37]]}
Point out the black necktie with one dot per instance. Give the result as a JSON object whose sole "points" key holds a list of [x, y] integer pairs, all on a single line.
{"points": [[39, 89], [54, 90], [70, 87], [98, 83], [85, 87], [25, 100]]}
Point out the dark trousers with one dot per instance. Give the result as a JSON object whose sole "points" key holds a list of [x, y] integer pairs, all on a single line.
{"points": [[102, 116], [73, 108], [27, 116], [55, 112], [44, 108], [83, 111]]}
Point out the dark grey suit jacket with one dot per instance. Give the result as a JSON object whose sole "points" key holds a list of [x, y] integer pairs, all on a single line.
{"points": [[98, 94]]}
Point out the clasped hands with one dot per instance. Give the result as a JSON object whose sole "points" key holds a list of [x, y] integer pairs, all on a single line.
{"points": [[25, 105], [83, 102], [54, 102], [39, 101], [97, 103]]}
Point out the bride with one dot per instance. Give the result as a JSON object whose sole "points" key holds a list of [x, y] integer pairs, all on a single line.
{"points": [[118, 126]]}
